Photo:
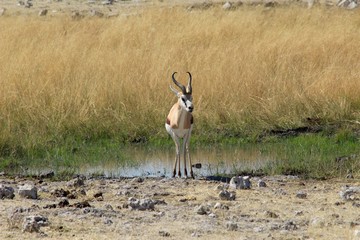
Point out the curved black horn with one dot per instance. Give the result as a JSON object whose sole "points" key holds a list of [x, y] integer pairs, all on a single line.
{"points": [[189, 86], [183, 89]]}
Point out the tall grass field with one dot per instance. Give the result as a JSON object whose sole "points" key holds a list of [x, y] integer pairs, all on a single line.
{"points": [[254, 70]]}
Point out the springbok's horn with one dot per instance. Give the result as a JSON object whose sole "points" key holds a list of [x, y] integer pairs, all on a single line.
{"points": [[183, 89], [189, 87]]}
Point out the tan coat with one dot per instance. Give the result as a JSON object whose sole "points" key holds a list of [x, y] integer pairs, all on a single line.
{"points": [[179, 118]]}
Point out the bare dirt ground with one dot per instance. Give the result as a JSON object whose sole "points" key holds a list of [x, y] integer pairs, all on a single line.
{"points": [[116, 8], [287, 208], [126, 7]]}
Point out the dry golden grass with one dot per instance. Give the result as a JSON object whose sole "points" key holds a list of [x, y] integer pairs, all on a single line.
{"points": [[252, 69]]}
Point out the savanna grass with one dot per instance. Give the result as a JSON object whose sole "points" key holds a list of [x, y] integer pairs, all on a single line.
{"points": [[253, 70]]}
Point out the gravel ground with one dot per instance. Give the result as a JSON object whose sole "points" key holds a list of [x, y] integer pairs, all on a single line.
{"points": [[157, 208]]}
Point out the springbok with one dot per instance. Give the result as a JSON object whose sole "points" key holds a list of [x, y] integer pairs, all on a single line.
{"points": [[179, 123]]}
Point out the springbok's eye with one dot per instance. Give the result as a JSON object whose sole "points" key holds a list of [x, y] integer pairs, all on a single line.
{"points": [[183, 99]]}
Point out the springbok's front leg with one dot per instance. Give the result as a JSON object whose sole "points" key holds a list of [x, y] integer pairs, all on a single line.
{"points": [[177, 156]]}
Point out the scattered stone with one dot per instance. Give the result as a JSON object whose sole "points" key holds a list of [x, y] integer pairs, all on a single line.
{"points": [[217, 205], [51, 173], [261, 183], [164, 234], [63, 203], [258, 229], [240, 182], [60, 193], [195, 234], [6, 192], [350, 193], [348, 4], [137, 180], [95, 13], [98, 195], [290, 226], [2, 12], [202, 210], [200, 6], [221, 206], [112, 15], [28, 191], [357, 234], [17, 215], [301, 195], [281, 192], [317, 222], [108, 221], [227, 6], [107, 2], [270, 4], [109, 207], [83, 204], [141, 204], [271, 214], [225, 195], [222, 187], [212, 215], [76, 15], [33, 223], [299, 213], [76, 182], [49, 206], [231, 226], [339, 203], [355, 204], [26, 4], [43, 12]]}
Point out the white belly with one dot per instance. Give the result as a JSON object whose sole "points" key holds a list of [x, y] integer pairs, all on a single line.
{"points": [[181, 133]]}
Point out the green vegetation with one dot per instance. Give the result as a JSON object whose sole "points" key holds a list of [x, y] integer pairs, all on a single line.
{"points": [[68, 87]]}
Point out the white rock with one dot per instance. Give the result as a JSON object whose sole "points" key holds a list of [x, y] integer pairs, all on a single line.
{"points": [[352, 5], [33, 223], [225, 195], [357, 234], [227, 6], [217, 205], [202, 210], [141, 204], [350, 193], [212, 215], [2, 11], [43, 12], [301, 195], [6, 192], [240, 182], [28, 191], [231, 226]]}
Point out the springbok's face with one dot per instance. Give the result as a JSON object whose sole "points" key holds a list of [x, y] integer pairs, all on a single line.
{"points": [[185, 96], [185, 101]]}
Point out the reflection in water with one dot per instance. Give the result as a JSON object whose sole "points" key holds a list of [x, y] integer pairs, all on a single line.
{"points": [[160, 162]]}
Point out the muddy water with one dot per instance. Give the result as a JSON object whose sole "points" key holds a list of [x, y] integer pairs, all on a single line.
{"points": [[159, 162]]}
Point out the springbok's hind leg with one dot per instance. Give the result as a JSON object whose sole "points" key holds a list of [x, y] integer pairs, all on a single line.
{"points": [[184, 156], [186, 151]]}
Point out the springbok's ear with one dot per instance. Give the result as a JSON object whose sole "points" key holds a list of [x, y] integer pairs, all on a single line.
{"points": [[178, 94]]}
